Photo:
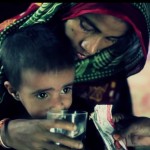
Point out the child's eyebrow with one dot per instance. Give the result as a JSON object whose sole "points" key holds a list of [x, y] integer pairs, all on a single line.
{"points": [[42, 90], [50, 89], [69, 84]]}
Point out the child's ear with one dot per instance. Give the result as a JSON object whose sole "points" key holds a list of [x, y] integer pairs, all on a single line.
{"points": [[11, 90]]}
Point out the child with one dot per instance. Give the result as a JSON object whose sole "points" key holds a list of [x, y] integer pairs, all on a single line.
{"points": [[39, 74]]}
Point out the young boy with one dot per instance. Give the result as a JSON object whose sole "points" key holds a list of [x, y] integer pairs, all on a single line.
{"points": [[39, 75], [39, 72]]}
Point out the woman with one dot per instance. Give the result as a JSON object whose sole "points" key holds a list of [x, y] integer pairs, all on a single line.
{"points": [[101, 71]]}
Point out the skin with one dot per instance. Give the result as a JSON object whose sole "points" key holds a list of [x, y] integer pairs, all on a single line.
{"points": [[87, 40], [136, 133], [91, 33], [53, 91]]}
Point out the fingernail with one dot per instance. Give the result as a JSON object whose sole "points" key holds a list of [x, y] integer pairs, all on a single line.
{"points": [[117, 136], [80, 145], [74, 127]]}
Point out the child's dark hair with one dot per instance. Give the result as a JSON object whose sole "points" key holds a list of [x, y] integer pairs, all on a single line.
{"points": [[37, 47]]}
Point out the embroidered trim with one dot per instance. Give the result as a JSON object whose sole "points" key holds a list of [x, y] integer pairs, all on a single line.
{"points": [[2, 123]]}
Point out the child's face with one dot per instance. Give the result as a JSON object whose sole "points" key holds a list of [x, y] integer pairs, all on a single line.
{"points": [[40, 92]]}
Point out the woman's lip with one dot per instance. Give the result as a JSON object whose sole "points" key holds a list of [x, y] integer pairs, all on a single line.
{"points": [[81, 56]]}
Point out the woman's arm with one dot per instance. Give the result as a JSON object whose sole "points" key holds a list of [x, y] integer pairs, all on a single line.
{"points": [[136, 131], [34, 134]]}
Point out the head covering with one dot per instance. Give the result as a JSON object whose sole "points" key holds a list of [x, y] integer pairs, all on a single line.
{"points": [[125, 58]]}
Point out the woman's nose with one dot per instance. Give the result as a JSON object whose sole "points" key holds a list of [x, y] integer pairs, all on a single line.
{"points": [[92, 45]]}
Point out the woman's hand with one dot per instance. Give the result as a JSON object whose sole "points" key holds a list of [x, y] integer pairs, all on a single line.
{"points": [[35, 135], [136, 131]]}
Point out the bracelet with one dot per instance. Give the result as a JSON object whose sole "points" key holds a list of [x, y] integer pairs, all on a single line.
{"points": [[2, 123]]}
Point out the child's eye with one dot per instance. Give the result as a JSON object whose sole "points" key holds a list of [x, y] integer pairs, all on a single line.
{"points": [[85, 25], [66, 90], [41, 95]]}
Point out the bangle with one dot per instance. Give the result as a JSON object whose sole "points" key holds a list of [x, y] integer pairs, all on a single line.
{"points": [[2, 123]]}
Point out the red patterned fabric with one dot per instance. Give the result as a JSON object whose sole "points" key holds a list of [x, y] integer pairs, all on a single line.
{"points": [[120, 10], [33, 7]]}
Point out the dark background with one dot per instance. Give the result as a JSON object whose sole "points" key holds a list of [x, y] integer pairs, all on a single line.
{"points": [[11, 9]]}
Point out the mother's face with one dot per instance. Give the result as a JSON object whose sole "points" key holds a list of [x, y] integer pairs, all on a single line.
{"points": [[91, 33]]}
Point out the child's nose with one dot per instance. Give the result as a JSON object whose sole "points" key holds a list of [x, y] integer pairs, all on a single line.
{"points": [[57, 102]]}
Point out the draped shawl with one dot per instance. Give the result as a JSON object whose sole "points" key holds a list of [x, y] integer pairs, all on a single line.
{"points": [[120, 59]]}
